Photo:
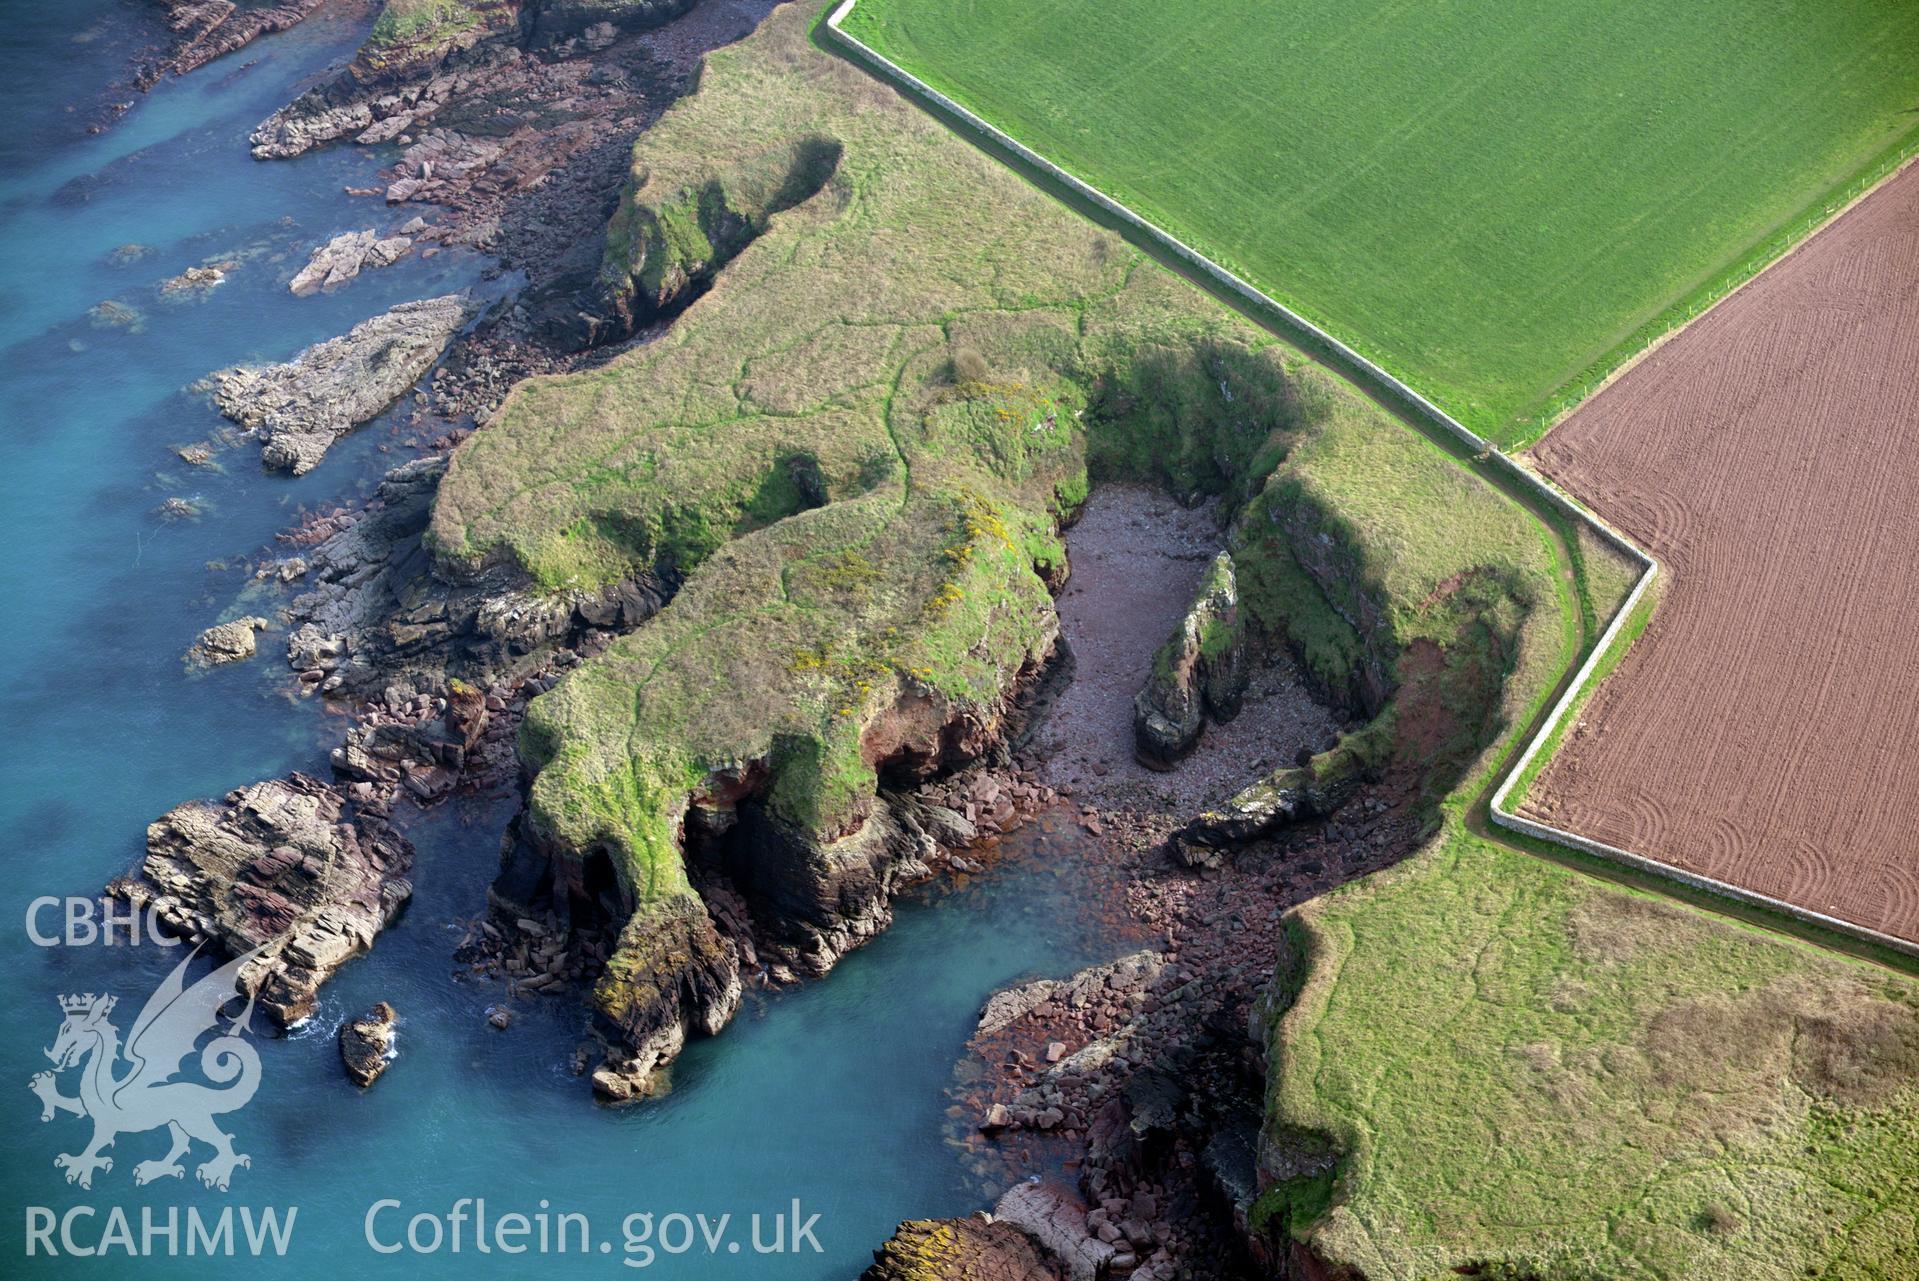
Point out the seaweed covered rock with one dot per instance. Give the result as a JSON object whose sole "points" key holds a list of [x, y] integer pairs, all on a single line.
{"points": [[286, 862], [972, 1249], [1199, 671]]}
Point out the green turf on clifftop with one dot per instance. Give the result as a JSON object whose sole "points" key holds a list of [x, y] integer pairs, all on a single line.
{"points": [[855, 449], [1519, 1064], [1489, 197]]}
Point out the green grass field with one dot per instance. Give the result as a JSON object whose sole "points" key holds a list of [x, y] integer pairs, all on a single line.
{"points": [[1497, 200]]}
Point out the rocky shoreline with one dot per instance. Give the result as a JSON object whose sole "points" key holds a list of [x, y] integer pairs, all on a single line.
{"points": [[313, 869]]}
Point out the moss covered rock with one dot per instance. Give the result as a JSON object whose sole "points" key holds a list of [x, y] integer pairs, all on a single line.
{"points": [[1200, 671]]}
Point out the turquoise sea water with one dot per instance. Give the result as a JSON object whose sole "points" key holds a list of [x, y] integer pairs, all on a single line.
{"points": [[831, 1094]]}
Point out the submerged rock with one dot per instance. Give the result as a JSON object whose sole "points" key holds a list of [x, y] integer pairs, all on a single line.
{"points": [[226, 642], [304, 405], [286, 862], [960, 1250], [366, 1044], [195, 283], [116, 315], [1200, 670]]}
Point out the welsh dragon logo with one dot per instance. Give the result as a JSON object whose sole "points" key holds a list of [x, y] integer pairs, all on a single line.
{"points": [[129, 1089]]}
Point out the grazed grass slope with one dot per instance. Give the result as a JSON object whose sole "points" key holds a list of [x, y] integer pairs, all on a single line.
{"points": [[1525, 1066], [1490, 198]]}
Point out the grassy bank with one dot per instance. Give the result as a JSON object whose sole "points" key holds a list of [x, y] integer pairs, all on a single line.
{"points": [[1524, 1067], [1496, 202]]}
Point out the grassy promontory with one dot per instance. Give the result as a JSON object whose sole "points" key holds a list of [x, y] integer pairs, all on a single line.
{"points": [[852, 453]]}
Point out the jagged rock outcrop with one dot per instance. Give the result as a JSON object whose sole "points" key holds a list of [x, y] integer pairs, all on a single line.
{"points": [[287, 862], [394, 74], [422, 56], [818, 899], [343, 257], [1056, 1218], [366, 1044], [377, 607], [672, 975], [226, 642], [206, 29], [1199, 671], [301, 407], [974, 1249]]}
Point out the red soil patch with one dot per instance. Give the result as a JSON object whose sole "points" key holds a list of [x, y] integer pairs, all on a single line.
{"points": [[1764, 731]]}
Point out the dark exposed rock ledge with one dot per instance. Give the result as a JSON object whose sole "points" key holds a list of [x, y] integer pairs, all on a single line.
{"points": [[399, 80], [207, 29], [287, 862], [1200, 671]]}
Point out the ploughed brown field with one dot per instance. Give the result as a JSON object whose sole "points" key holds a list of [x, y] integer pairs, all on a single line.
{"points": [[1765, 729]]}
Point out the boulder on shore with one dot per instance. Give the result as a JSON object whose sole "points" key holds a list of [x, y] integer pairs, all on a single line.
{"points": [[1199, 671], [1055, 1218], [226, 642], [366, 1043], [1314, 790], [301, 407]]}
